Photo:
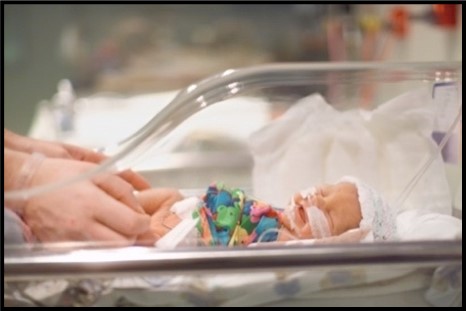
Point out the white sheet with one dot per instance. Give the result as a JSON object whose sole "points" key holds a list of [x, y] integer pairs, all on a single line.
{"points": [[313, 144]]}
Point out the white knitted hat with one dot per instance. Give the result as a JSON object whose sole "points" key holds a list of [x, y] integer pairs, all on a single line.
{"points": [[377, 216]]}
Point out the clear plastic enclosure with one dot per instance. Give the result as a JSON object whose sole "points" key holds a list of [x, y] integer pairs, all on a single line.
{"points": [[396, 125]]}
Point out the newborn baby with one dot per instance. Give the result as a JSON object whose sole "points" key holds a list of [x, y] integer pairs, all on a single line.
{"points": [[336, 210], [347, 211]]}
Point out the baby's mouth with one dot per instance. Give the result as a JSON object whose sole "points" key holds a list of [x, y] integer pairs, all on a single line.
{"points": [[302, 215]]}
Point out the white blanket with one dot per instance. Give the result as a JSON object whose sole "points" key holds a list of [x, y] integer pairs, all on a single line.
{"points": [[360, 285], [313, 143]]}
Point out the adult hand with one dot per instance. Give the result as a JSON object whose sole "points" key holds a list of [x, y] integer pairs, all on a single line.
{"points": [[103, 208], [67, 151], [49, 148]]}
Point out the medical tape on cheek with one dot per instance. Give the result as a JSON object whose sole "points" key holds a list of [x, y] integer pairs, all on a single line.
{"points": [[319, 224]]}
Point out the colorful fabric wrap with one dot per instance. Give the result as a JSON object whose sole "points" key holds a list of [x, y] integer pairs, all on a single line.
{"points": [[228, 218]]}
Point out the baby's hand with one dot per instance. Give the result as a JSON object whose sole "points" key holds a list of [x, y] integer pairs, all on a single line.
{"points": [[157, 203]]}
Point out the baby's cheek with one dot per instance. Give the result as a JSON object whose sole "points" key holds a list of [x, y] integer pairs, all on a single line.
{"points": [[355, 216], [284, 221]]}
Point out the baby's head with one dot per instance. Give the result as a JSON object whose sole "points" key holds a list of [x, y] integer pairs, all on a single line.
{"points": [[331, 210], [377, 216]]}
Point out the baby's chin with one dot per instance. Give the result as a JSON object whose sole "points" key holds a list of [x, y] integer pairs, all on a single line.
{"points": [[350, 236], [285, 234]]}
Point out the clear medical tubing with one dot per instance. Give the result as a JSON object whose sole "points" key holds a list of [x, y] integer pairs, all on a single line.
{"points": [[234, 82]]}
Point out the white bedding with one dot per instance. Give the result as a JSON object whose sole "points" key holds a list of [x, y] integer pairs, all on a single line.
{"points": [[345, 286], [313, 143], [424, 216]]}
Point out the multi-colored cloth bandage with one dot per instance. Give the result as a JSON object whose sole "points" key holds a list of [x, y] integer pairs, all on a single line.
{"points": [[227, 217]]}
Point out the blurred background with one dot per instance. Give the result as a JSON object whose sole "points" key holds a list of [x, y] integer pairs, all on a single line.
{"points": [[135, 49]]}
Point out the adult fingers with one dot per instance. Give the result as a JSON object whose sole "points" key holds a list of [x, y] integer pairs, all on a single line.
{"points": [[136, 180], [146, 239], [119, 217], [155, 199], [119, 189], [51, 150], [87, 155], [107, 237], [83, 154]]}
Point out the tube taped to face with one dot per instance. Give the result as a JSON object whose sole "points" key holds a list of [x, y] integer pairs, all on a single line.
{"points": [[319, 224], [290, 210]]}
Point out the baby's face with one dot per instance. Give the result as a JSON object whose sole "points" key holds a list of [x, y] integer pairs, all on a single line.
{"points": [[339, 204]]}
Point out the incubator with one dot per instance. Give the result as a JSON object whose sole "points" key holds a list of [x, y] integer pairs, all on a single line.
{"points": [[395, 125]]}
